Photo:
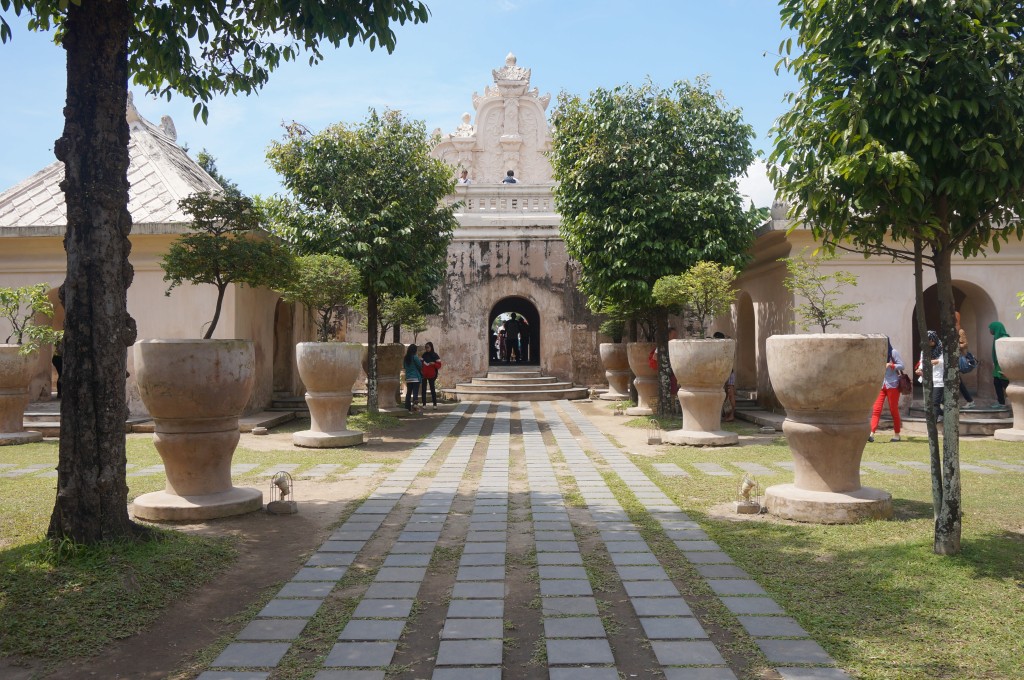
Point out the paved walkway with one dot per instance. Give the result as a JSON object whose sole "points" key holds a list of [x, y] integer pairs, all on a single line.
{"points": [[482, 498]]}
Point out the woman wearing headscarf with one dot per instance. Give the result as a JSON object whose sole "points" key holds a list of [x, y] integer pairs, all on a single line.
{"points": [[890, 392], [998, 330], [938, 368]]}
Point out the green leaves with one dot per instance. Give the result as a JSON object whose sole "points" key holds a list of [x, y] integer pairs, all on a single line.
{"points": [[647, 185], [820, 291], [24, 308], [323, 283], [701, 293]]}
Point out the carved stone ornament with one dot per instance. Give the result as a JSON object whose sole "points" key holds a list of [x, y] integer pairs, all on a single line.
{"points": [[510, 71]]}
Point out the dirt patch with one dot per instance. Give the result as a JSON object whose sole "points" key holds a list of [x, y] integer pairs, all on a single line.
{"points": [[271, 549]]}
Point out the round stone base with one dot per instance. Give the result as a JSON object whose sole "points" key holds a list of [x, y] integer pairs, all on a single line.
{"points": [[9, 438], [825, 507], [1007, 435], [327, 440], [161, 506], [639, 411], [613, 396], [396, 411], [698, 438]]}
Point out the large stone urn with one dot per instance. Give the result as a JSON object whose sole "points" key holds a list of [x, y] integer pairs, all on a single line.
{"points": [[16, 371], [616, 370], [646, 380], [701, 368], [827, 384], [1010, 352], [195, 391], [328, 370], [389, 376]]}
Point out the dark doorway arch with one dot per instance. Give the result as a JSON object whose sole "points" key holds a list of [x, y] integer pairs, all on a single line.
{"points": [[503, 310]]}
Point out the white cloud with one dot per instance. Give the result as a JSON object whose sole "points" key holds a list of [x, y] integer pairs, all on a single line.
{"points": [[755, 185]]}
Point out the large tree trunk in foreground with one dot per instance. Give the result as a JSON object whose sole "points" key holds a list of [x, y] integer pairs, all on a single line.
{"points": [[371, 353], [92, 493], [665, 395], [947, 521]]}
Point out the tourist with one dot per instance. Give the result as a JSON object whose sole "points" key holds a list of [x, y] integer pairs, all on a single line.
{"points": [[890, 392], [510, 178], [938, 367], [998, 330], [730, 386], [502, 344], [431, 365], [964, 346], [58, 364], [464, 178], [413, 377], [524, 339], [512, 338]]}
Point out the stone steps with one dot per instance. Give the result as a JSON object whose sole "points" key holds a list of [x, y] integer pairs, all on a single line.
{"points": [[514, 384]]}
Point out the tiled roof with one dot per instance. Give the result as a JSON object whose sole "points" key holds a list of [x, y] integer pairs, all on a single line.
{"points": [[160, 174]]}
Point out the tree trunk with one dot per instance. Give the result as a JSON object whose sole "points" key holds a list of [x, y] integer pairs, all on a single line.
{"points": [[664, 367], [92, 494], [926, 383], [396, 334], [634, 336], [947, 523], [221, 289], [371, 353]]}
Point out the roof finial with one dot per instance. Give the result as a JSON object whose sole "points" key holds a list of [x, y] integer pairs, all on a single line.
{"points": [[510, 59]]}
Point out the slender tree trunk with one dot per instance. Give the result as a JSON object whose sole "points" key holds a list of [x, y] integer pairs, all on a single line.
{"points": [[371, 353], [92, 494], [221, 289], [926, 374], [664, 367], [947, 524], [396, 334], [633, 336]]}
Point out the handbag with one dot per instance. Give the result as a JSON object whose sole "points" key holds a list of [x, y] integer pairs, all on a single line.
{"points": [[430, 370], [968, 363], [905, 384]]}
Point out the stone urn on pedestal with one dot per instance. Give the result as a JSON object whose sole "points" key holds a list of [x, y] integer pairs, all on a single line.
{"points": [[701, 368], [827, 384], [16, 371], [646, 380], [328, 370], [1010, 352], [195, 391], [389, 374], [616, 370]]}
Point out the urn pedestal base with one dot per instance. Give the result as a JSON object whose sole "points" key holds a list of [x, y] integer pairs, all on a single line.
{"points": [[1008, 435], [827, 507], [26, 437], [161, 506], [701, 438], [327, 440]]}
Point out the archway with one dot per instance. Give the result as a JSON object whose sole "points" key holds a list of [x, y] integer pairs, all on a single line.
{"points": [[746, 343], [284, 346], [976, 311], [502, 311]]}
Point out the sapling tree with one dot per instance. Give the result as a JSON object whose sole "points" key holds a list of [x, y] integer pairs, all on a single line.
{"points": [[905, 140], [820, 292], [371, 193], [701, 293], [226, 246], [647, 188], [20, 307], [404, 311], [326, 285]]}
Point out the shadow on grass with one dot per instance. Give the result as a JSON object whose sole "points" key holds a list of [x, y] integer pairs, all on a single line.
{"points": [[61, 600]]}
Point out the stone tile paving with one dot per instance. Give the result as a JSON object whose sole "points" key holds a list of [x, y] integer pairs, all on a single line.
{"points": [[671, 470], [318, 471], [473, 632], [470, 644], [713, 469], [574, 634], [265, 641], [882, 467], [756, 469], [738, 592], [1005, 466]]}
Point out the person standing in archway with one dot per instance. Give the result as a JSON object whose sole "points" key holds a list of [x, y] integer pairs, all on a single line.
{"points": [[999, 381], [524, 339], [512, 338], [964, 346], [413, 366], [431, 365]]}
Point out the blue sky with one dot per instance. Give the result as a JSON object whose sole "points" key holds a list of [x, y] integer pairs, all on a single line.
{"points": [[569, 44]]}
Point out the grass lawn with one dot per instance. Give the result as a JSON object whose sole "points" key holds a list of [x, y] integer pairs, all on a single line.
{"points": [[58, 602], [874, 595]]}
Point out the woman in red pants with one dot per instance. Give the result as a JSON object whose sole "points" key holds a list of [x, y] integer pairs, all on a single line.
{"points": [[890, 392]]}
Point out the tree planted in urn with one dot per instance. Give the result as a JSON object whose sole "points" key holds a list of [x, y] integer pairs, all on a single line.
{"points": [[821, 292], [326, 285], [21, 308]]}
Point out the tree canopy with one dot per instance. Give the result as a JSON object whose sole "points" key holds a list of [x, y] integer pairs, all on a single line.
{"points": [[325, 284], [647, 188], [905, 139], [371, 193]]}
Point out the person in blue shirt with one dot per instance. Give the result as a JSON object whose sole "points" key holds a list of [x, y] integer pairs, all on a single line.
{"points": [[413, 377]]}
